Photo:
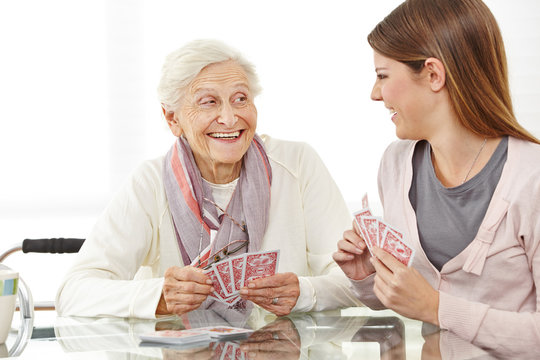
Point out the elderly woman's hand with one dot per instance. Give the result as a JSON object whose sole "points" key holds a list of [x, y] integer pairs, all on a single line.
{"points": [[184, 290], [277, 293]]}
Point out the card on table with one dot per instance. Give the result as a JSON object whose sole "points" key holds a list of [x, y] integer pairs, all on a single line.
{"points": [[226, 332], [176, 336]]}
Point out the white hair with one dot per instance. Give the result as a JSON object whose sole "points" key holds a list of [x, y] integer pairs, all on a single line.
{"points": [[184, 64]]}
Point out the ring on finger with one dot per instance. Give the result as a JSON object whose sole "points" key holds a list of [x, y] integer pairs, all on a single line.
{"points": [[275, 301]]}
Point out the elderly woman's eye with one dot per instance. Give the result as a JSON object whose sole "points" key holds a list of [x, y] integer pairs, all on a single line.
{"points": [[207, 101], [240, 99]]}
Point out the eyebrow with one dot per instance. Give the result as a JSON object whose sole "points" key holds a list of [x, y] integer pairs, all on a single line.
{"points": [[204, 89]]}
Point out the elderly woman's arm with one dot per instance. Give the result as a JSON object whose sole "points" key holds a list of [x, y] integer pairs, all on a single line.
{"points": [[326, 217], [101, 282]]}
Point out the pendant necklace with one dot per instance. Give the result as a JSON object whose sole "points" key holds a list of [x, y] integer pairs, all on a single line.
{"points": [[474, 161]]}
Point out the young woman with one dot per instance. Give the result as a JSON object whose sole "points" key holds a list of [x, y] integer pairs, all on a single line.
{"points": [[463, 184]]}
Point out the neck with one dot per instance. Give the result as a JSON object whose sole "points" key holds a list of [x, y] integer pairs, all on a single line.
{"points": [[220, 173], [459, 156]]}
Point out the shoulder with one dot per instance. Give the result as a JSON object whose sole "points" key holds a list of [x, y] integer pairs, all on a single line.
{"points": [[397, 154], [522, 172], [524, 153], [291, 156], [148, 174]]}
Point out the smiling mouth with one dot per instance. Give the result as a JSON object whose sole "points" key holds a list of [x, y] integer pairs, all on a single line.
{"points": [[226, 135]]}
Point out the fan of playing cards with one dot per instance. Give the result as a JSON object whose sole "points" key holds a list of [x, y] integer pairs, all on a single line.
{"points": [[231, 274], [378, 233]]}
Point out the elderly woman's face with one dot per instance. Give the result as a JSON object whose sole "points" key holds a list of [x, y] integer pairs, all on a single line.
{"points": [[217, 116]]}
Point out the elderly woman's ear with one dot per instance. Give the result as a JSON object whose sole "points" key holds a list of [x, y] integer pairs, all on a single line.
{"points": [[172, 121]]}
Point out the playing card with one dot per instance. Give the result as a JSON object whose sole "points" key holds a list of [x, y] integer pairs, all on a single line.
{"points": [[224, 277], [219, 294], [231, 300], [261, 264], [237, 271], [218, 350], [176, 336], [239, 354], [398, 248], [228, 352], [370, 227], [357, 216], [225, 332], [365, 203], [364, 212], [383, 227]]}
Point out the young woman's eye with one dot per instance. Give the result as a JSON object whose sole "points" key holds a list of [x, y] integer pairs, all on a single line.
{"points": [[381, 76]]}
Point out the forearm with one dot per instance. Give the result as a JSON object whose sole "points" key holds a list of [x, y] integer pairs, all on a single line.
{"points": [[363, 291], [490, 328], [97, 296], [323, 292]]}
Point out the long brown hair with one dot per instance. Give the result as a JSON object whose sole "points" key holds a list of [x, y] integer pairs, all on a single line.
{"points": [[464, 35]]}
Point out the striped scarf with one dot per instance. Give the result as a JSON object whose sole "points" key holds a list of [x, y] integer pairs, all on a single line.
{"points": [[194, 217]]}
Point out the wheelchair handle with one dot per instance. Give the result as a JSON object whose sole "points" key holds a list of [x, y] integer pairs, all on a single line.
{"points": [[53, 245]]}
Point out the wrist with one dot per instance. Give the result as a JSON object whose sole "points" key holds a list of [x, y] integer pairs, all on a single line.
{"points": [[435, 310], [161, 308]]}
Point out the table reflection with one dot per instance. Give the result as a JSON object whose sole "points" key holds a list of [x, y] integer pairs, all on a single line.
{"points": [[298, 336], [324, 335]]}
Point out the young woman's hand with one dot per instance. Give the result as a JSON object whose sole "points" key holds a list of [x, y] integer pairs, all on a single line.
{"points": [[403, 289], [353, 255]]}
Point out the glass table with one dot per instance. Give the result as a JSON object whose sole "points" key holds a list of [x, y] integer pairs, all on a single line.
{"points": [[354, 333]]}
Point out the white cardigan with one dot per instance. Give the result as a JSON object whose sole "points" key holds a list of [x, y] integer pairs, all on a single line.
{"points": [[135, 235]]}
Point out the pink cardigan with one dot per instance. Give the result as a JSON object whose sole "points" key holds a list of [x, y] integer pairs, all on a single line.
{"points": [[489, 291]]}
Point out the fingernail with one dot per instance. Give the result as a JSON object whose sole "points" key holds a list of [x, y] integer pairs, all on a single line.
{"points": [[251, 285], [359, 251], [209, 282], [243, 291], [251, 355], [212, 289]]}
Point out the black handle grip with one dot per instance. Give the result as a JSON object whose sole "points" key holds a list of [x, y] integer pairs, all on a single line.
{"points": [[53, 246]]}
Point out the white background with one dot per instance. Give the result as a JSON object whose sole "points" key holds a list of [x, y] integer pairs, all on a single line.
{"points": [[78, 107]]}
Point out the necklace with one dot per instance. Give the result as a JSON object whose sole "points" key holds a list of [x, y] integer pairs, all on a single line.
{"points": [[474, 161]]}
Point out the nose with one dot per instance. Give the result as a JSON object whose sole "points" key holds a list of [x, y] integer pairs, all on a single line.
{"points": [[376, 93], [227, 116]]}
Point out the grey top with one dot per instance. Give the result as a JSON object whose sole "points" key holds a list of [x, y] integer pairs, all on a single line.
{"points": [[449, 218]]}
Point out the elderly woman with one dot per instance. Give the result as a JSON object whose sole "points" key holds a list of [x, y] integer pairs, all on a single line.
{"points": [[218, 183]]}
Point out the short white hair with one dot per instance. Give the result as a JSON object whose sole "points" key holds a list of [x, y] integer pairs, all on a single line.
{"points": [[184, 64]]}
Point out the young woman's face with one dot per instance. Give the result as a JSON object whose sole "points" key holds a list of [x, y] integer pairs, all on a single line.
{"points": [[405, 94]]}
